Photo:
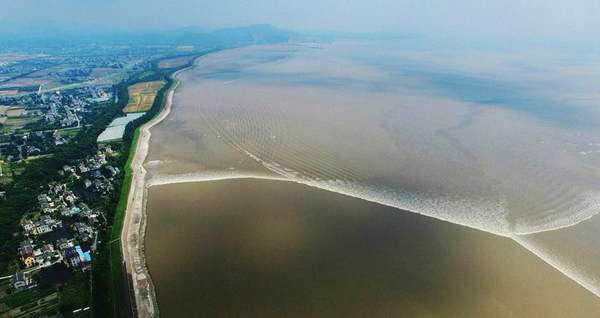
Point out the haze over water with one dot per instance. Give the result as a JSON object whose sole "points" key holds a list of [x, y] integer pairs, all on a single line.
{"points": [[422, 131], [506, 142]]}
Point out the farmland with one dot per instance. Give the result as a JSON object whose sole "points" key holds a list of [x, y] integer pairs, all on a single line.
{"points": [[141, 96], [174, 62], [11, 111], [5, 173], [11, 92], [9, 117]]}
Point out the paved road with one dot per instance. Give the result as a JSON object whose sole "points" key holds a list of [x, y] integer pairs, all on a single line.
{"points": [[34, 268]]}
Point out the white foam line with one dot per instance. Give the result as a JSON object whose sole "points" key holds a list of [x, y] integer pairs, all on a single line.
{"points": [[556, 262], [351, 190], [562, 222], [562, 265], [358, 191], [205, 177]]}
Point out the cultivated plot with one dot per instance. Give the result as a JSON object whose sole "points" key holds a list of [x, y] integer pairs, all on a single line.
{"points": [[175, 62], [141, 96]]}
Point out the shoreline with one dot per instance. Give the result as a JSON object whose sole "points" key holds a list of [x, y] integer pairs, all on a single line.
{"points": [[135, 216], [547, 257], [134, 220], [285, 225]]}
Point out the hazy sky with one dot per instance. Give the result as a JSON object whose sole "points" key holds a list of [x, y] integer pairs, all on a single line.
{"points": [[564, 18]]}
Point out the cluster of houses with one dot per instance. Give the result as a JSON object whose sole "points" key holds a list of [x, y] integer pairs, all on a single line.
{"points": [[30, 144], [63, 109], [54, 110], [57, 198], [84, 232], [96, 181], [22, 281], [82, 210], [41, 256], [45, 224], [74, 255], [76, 258], [65, 229], [100, 93], [67, 250], [96, 161]]}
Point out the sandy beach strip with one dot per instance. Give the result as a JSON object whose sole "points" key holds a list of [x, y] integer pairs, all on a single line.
{"points": [[134, 223]]}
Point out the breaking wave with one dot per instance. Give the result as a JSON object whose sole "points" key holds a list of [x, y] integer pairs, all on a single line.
{"points": [[489, 169]]}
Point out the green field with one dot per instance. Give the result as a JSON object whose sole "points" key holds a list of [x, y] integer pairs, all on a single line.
{"points": [[110, 288], [19, 122], [68, 132], [119, 292], [30, 303], [5, 173]]}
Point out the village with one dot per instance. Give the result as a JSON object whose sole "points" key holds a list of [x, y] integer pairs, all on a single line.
{"points": [[58, 237], [33, 125], [62, 230], [60, 234]]}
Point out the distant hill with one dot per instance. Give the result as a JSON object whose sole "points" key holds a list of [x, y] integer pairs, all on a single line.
{"points": [[260, 33], [58, 37]]}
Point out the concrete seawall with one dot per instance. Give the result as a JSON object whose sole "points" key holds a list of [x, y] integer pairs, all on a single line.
{"points": [[134, 225]]}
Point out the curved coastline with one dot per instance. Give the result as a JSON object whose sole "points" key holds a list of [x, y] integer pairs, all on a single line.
{"points": [[134, 223], [135, 217]]}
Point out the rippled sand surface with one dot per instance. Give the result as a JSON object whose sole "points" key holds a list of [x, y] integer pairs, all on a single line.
{"points": [[505, 142], [482, 151]]}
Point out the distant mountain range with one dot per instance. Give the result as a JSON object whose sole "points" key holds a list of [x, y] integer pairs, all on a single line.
{"points": [[58, 36]]}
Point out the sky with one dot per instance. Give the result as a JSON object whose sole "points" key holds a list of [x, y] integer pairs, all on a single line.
{"points": [[507, 18]]}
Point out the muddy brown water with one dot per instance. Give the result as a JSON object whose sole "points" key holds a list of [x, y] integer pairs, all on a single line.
{"points": [[507, 142], [264, 248]]}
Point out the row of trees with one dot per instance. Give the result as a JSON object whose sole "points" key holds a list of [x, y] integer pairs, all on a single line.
{"points": [[109, 281]]}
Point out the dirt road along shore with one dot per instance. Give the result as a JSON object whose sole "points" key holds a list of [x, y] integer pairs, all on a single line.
{"points": [[134, 223]]}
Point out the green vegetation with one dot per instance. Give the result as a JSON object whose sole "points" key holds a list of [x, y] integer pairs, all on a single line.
{"points": [[108, 279], [74, 294], [6, 173], [19, 122], [110, 296], [122, 205], [145, 75], [25, 297], [30, 303], [36, 174], [68, 132], [47, 298], [32, 88]]}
